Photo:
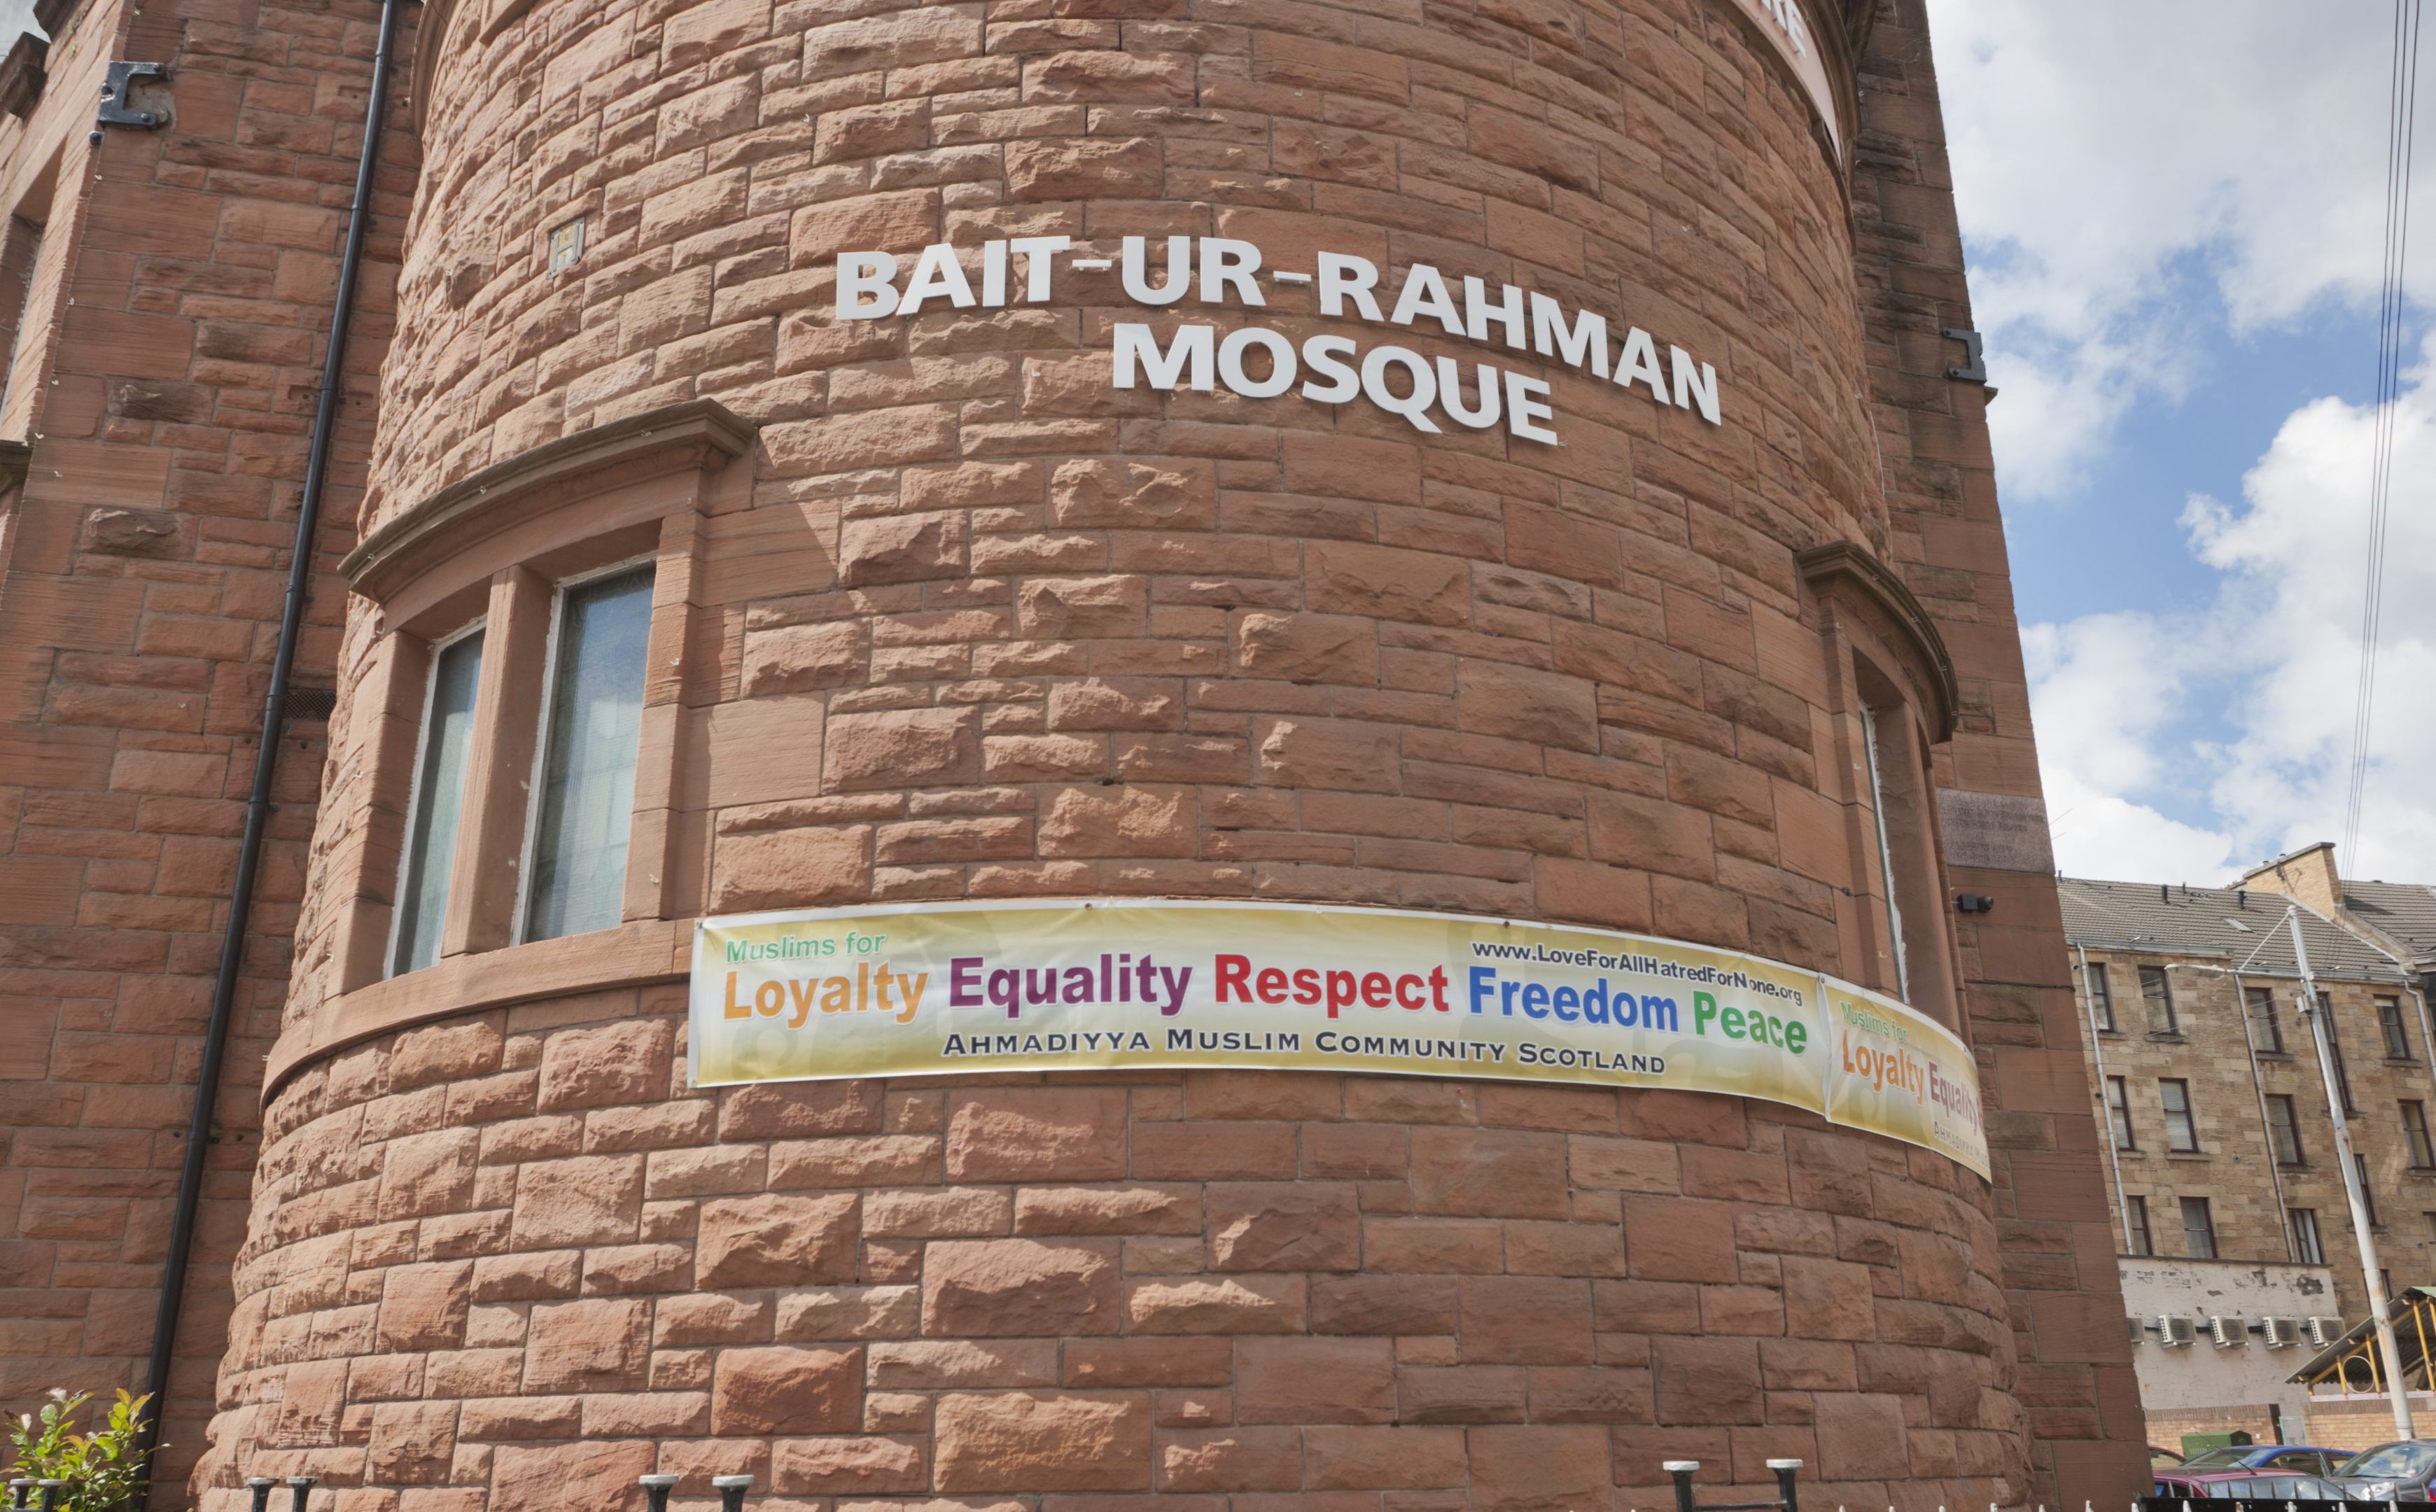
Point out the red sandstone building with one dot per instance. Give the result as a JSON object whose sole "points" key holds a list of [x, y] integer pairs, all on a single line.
{"points": [[691, 541]]}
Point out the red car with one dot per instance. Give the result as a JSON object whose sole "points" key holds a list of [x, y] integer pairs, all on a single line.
{"points": [[2245, 1485]]}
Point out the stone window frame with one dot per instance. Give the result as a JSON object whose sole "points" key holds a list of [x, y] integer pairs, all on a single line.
{"points": [[1889, 675], [495, 549]]}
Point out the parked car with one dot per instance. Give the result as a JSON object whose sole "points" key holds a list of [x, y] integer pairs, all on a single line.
{"points": [[2301, 1459], [2244, 1486], [2402, 1471]]}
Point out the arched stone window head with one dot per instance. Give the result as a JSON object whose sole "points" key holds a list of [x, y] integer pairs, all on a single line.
{"points": [[1894, 697]]}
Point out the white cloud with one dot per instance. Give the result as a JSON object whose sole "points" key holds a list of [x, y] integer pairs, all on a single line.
{"points": [[2117, 698], [2110, 158]]}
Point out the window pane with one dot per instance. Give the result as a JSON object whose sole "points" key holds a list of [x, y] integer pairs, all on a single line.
{"points": [[2414, 1128], [2182, 1135], [2118, 1112], [586, 793], [2160, 998], [2135, 1218], [2199, 1229], [2281, 1121], [2101, 997], [2335, 1045], [2305, 1237], [2389, 1020], [1886, 855], [2258, 1003], [2367, 1194], [438, 799]]}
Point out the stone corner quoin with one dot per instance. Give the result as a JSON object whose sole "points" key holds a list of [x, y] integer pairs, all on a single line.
{"points": [[1374, 456]]}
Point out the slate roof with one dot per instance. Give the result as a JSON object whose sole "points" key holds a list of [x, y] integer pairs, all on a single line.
{"points": [[2404, 911], [2214, 921]]}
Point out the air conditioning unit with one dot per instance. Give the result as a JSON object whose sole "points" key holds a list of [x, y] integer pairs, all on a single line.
{"points": [[2323, 1331], [2176, 1332], [2280, 1333], [2230, 1332], [2138, 1331]]}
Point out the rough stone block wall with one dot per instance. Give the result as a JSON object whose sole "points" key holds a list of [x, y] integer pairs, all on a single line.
{"points": [[975, 625], [141, 573], [515, 1257], [1946, 536]]}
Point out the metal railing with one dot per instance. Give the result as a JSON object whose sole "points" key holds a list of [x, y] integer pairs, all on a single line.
{"points": [[2360, 1368], [1683, 1469]]}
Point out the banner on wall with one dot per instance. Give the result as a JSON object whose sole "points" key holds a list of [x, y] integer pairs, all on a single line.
{"points": [[1045, 985]]}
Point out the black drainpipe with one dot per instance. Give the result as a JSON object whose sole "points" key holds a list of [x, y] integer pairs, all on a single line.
{"points": [[257, 812]]}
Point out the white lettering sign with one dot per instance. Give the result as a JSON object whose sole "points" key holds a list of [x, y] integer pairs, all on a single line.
{"points": [[1257, 362]]}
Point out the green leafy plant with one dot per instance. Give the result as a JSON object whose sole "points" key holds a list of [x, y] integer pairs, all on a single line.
{"points": [[104, 1468]]}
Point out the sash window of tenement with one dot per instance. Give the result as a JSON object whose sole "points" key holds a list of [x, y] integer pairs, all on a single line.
{"points": [[2182, 1132], [2415, 1130], [2198, 1229], [2286, 1127], [2389, 1022], [2265, 1033], [2101, 998], [2119, 1113], [2159, 996], [2306, 1248], [2334, 1052], [2136, 1226]]}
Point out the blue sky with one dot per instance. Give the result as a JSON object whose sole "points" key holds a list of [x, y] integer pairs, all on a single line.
{"points": [[2174, 213]]}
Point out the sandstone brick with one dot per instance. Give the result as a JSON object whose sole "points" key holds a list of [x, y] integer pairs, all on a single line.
{"points": [[781, 1390], [1488, 1173], [1134, 492], [1384, 582], [904, 548], [1538, 1468], [1080, 608], [1297, 751], [802, 658], [1072, 168], [604, 1065], [539, 1479], [1369, 1459], [894, 747], [1043, 1441], [934, 1365], [1019, 1286], [429, 1173], [1014, 1134], [1233, 1304], [791, 868], [590, 1346], [848, 1466], [1133, 819], [423, 1307], [776, 1240], [1283, 1227], [1316, 1380], [1230, 1459], [589, 1200]]}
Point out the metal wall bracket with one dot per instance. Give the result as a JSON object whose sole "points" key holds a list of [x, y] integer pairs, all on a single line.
{"points": [[115, 110], [1974, 369]]}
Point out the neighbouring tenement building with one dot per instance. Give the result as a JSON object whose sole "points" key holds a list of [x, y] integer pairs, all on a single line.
{"points": [[2239, 1258], [1041, 750]]}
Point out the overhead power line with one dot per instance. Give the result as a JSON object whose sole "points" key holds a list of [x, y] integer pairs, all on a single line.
{"points": [[2402, 111]]}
